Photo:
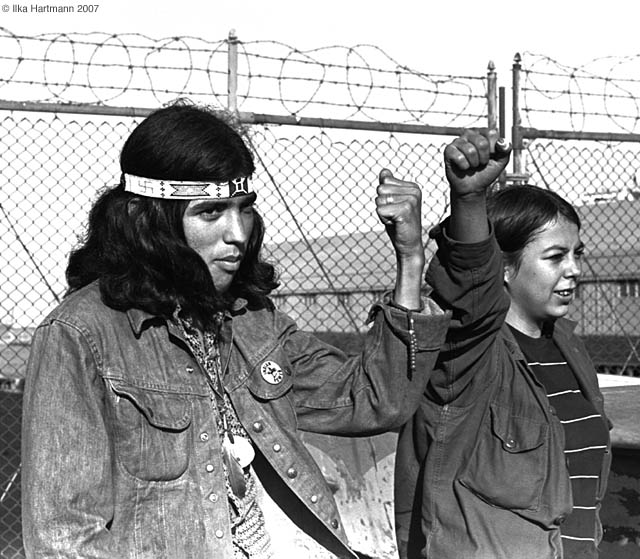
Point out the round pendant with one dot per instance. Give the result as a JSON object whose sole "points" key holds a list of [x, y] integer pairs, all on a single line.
{"points": [[242, 451]]}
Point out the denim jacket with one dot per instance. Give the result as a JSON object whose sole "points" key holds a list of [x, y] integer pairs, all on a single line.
{"points": [[481, 472], [120, 444]]}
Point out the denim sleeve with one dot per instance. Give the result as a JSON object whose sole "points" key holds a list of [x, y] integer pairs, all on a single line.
{"points": [[467, 279], [67, 493], [373, 392]]}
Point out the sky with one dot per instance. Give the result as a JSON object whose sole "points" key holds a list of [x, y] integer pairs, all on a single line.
{"points": [[448, 36]]}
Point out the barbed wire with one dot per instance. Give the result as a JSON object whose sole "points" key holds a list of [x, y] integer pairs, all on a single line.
{"points": [[599, 95], [360, 82]]}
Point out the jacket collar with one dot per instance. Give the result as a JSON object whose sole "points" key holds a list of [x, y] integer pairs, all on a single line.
{"points": [[573, 351], [511, 343], [562, 329], [578, 358], [138, 318]]}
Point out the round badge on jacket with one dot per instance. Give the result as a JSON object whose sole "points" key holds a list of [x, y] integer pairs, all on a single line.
{"points": [[271, 372]]}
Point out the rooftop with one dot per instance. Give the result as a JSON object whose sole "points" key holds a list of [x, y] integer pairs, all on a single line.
{"points": [[347, 263]]}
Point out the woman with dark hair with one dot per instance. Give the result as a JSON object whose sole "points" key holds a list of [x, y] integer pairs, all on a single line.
{"points": [[509, 454], [165, 395]]}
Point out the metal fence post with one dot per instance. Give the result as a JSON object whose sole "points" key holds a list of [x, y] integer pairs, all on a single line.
{"points": [[492, 96], [516, 138], [232, 72], [502, 127]]}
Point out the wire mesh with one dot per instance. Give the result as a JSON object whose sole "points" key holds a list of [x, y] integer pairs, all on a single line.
{"points": [[316, 190], [10, 522], [601, 181], [316, 193], [323, 235]]}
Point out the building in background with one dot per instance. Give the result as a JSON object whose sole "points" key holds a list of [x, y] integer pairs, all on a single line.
{"points": [[607, 308]]}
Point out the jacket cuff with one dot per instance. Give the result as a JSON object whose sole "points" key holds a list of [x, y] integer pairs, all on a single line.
{"points": [[464, 255], [430, 323]]}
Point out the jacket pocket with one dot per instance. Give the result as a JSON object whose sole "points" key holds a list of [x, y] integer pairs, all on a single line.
{"points": [[152, 431], [508, 468]]}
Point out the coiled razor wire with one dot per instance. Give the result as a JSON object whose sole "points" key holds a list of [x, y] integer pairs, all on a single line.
{"points": [[600, 95], [335, 82]]}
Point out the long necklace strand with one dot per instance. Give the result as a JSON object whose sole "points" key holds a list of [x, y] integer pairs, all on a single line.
{"points": [[250, 538]]}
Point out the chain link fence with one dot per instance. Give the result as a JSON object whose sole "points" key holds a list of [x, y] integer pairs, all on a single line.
{"points": [[316, 192], [10, 523], [576, 132], [601, 181], [323, 234]]}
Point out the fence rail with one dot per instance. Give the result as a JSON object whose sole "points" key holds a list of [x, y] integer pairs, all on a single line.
{"points": [[360, 82]]}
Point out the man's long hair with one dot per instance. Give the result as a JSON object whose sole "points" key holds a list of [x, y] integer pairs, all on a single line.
{"points": [[135, 246]]}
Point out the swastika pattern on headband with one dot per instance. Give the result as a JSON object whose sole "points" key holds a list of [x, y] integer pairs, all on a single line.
{"points": [[186, 190]]}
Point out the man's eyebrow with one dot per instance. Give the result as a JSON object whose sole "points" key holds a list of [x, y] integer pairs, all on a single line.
{"points": [[221, 204], [224, 203]]}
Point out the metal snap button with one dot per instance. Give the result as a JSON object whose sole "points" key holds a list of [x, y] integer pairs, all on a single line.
{"points": [[204, 437], [258, 426], [277, 448], [292, 473]]}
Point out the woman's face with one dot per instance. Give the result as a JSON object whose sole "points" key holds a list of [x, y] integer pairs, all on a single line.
{"points": [[544, 285], [219, 231]]}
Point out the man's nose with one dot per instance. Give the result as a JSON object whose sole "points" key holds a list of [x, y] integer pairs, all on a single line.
{"points": [[236, 228]]}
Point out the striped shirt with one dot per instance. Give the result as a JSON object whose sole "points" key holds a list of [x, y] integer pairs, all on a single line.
{"points": [[585, 440]]}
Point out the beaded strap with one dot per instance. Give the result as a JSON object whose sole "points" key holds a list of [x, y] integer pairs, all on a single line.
{"points": [[413, 340], [413, 343]]}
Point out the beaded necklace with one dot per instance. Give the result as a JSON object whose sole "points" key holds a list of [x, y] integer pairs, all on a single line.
{"points": [[250, 538]]}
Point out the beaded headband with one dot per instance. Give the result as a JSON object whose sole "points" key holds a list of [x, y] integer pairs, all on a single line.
{"points": [[186, 190]]}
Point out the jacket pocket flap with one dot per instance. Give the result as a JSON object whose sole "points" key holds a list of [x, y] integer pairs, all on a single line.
{"points": [[517, 433], [165, 410], [270, 377]]}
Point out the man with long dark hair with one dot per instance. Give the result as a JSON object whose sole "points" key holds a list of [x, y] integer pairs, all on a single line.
{"points": [[165, 394]]}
